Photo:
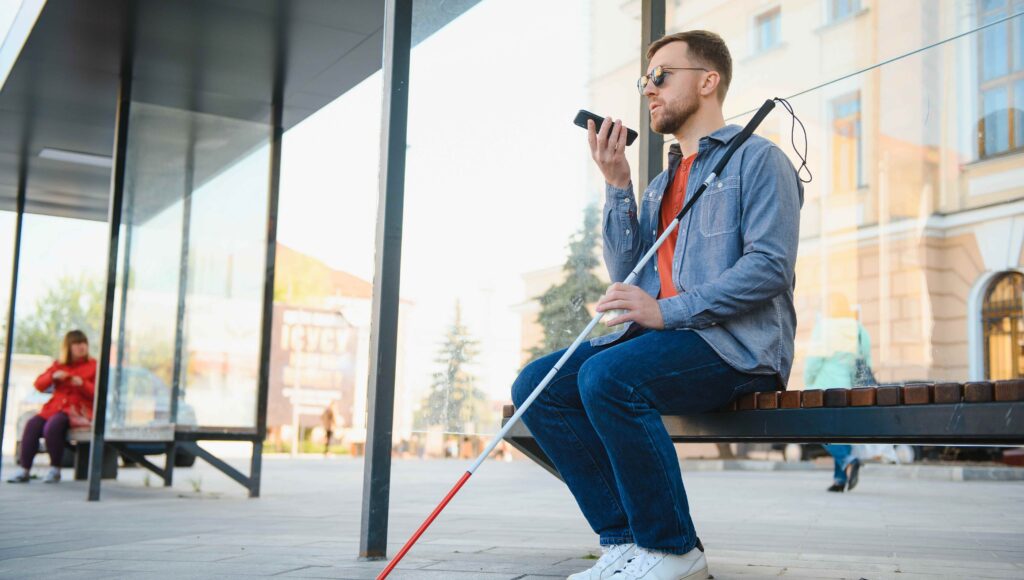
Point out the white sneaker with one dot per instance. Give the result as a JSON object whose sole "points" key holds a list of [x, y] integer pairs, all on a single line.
{"points": [[651, 565], [52, 476], [613, 558], [20, 476]]}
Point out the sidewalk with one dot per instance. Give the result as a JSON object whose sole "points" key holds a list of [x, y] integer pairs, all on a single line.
{"points": [[511, 521]]}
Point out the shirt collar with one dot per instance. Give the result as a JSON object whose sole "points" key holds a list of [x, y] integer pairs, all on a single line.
{"points": [[723, 136]]}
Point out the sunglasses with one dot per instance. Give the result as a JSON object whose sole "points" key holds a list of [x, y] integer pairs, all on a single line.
{"points": [[657, 76]]}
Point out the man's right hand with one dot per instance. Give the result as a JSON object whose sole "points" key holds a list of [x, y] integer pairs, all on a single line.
{"points": [[608, 148]]}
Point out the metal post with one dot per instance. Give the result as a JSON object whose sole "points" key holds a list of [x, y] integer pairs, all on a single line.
{"points": [[179, 319], [384, 330], [123, 309], [9, 345], [99, 421], [652, 144], [267, 322]]}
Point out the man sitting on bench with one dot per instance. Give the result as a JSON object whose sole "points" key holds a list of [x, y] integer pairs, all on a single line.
{"points": [[710, 320]]}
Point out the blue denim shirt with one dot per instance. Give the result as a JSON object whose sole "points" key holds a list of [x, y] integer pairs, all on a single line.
{"points": [[735, 256]]}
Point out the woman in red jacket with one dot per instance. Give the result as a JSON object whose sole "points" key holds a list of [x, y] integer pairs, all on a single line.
{"points": [[72, 377]]}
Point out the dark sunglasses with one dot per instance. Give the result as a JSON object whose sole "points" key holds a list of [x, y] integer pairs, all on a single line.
{"points": [[657, 76]]}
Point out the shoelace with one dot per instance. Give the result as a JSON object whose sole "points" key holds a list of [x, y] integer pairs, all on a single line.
{"points": [[640, 563], [610, 554]]}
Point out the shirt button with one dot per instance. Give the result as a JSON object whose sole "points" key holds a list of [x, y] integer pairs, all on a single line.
{"points": [[627, 232]]}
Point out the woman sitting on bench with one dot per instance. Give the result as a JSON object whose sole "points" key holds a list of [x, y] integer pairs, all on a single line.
{"points": [[72, 377]]}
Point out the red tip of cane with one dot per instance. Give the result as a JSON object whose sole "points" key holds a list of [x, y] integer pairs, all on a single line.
{"points": [[423, 527]]}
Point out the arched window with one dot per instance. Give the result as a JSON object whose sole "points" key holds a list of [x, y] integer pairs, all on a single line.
{"points": [[1002, 319]]}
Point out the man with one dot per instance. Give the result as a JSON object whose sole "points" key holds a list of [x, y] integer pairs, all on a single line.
{"points": [[711, 319]]}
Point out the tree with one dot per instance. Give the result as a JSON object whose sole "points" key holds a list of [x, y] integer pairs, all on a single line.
{"points": [[454, 401], [70, 303], [563, 307]]}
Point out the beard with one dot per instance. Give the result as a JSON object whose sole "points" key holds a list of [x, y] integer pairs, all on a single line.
{"points": [[673, 116]]}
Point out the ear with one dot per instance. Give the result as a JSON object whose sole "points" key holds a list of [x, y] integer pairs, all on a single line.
{"points": [[709, 87]]}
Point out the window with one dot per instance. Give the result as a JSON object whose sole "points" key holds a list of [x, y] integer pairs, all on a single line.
{"points": [[1001, 78], [1002, 319], [768, 30], [847, 144], [841, 9]]}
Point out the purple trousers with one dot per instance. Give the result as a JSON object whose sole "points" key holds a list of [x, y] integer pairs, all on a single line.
{"points": [[54, 430]]}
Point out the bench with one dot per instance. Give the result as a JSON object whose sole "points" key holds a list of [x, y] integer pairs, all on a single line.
{"points": [[975, 413], [176, 440]]}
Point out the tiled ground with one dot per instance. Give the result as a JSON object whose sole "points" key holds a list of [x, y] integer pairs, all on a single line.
{"points": [[511, 521]]}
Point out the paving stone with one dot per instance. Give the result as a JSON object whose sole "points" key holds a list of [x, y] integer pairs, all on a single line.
{"points": [[978, 392], [862, 397], [837, 397], [812, 398]]}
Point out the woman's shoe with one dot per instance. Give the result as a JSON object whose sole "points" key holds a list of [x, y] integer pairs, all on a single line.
{"points": [[837, 487], [52, 476], [852, 474], [20, 476]]}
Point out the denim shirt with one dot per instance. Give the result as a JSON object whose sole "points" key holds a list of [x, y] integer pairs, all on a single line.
{"points": [[735, 257]]}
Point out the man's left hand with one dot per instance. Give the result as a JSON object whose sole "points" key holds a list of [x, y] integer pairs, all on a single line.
{"points": [[640, 306]]}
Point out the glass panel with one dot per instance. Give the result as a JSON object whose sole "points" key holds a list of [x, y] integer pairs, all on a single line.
{"points": [[995, 120], [768, 29], [142, 354], [323, 288], [1018, 114], [501, 258], [227, 255], [60, 288], [1017, 25], [994, 52]]}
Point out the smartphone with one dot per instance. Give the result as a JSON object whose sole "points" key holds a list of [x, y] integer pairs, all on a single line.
{"points": [[583, 116]]}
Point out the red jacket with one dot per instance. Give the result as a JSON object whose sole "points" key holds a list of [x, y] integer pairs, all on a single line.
{"points": [[74, 401]]}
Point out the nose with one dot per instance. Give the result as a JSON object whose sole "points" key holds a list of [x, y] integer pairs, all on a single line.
{"points": [[649, 89]]}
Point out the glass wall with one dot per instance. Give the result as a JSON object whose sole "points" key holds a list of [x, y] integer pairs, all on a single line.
{"points": [[193, 243], [916, 206], [60, 288], [500, 261]]}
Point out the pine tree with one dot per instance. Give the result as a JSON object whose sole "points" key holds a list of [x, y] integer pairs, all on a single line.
{"points": [[563, 307], [454, 401]]}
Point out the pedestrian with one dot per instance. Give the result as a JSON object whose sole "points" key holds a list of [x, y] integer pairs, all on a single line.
{"points": [[72, 377]]}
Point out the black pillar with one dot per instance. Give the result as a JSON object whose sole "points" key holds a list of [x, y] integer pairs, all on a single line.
{"points": [[179, 317], [99, 420], [380, 399], [652, 27], [267, 322], [9, 345]]}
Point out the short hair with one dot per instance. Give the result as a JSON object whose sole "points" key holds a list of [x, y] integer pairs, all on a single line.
{"points": [[73, 337], [706, 49]]}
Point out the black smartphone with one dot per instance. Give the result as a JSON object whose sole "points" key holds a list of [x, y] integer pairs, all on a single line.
{"points": [[584, 115]]}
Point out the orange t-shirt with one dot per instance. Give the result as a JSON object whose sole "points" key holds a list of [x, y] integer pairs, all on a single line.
{"points": [[671, 205]]}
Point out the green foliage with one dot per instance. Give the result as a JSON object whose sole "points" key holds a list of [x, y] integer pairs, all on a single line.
{"points": [[454, 401], [563, 307], [70, 303]]}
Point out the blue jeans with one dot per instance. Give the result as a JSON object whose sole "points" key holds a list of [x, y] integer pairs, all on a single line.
{"points": [[599, 420], [843, 455]]}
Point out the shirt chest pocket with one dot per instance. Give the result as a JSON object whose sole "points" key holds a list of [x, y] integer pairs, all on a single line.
{"points": [[720, 207]]}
